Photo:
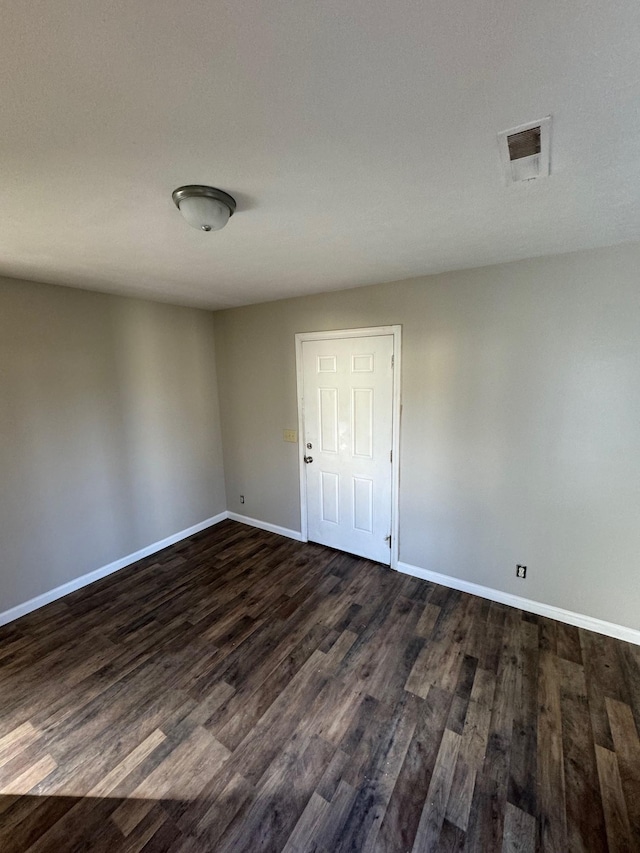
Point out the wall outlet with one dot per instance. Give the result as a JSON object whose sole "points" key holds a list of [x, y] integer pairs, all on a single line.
{"points": [[241, 499], [290, 435], [521, 571]]}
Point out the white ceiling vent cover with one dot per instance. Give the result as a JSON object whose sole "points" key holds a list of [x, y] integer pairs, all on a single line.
{"points": [[524, 150]]}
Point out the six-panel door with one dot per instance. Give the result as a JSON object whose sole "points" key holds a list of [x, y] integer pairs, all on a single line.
{"points": [[347, 413]]}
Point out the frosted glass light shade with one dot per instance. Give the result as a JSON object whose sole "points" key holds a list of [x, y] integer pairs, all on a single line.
{"points": [[204, 208], [204, 213]]}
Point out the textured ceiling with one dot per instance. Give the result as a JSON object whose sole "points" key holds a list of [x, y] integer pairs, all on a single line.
{"points": [[359, 139]]}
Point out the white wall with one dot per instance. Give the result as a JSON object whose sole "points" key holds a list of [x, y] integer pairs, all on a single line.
{"points": [[520, 439], [109, 431]]}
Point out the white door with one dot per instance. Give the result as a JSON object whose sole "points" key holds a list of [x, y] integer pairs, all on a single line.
{"points": [[347, 404]]}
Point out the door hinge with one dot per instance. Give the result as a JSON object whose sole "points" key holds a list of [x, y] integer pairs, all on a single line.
{"points": [[392, 359], [388, 539], [391, 456]]}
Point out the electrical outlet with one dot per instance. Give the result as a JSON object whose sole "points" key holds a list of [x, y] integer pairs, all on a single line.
{"points": [[241, 499], [290, 435], [521, 571]]}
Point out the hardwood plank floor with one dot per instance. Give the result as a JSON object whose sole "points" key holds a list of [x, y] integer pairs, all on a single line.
{"points": [[243, 692]]}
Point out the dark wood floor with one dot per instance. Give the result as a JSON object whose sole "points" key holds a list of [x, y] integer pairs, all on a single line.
{"points": [[244, 692]]}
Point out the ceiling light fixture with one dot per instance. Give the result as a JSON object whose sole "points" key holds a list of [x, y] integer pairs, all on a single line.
{"points": [[205, 208]]}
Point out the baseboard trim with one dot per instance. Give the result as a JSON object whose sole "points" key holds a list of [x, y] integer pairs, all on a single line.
{"points": [[579, 620], [265, 525], [84, 580]]}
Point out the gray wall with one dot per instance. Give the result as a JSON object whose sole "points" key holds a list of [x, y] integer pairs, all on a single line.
{"points": [[109, 431], [520, 438], [520, 435]]}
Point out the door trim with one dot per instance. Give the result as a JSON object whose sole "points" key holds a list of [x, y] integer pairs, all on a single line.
{"points": [[396, 332]]}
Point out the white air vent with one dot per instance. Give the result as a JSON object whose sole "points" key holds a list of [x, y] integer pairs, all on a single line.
{"points": [[524, 150]]}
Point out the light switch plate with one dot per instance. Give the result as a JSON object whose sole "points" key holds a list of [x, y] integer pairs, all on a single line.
{"points": [[290, 435]]}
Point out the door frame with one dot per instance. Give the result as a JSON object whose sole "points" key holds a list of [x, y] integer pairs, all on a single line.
{"points": [[396, 332]]}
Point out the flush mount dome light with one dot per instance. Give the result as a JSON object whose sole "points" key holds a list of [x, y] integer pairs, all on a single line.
{"points": [[204, 208]]}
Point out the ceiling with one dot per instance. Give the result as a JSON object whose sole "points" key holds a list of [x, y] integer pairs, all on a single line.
{"points": [[358, 138]]}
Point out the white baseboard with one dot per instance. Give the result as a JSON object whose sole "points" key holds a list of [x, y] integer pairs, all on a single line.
{"points": [[579, 620], [84, 580], [265, 525]]}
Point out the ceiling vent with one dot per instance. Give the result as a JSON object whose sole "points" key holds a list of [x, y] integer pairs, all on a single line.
{"points": [[524, 151]]}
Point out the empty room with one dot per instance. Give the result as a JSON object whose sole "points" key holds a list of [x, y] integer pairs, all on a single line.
{"points": [[319, 427]]}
